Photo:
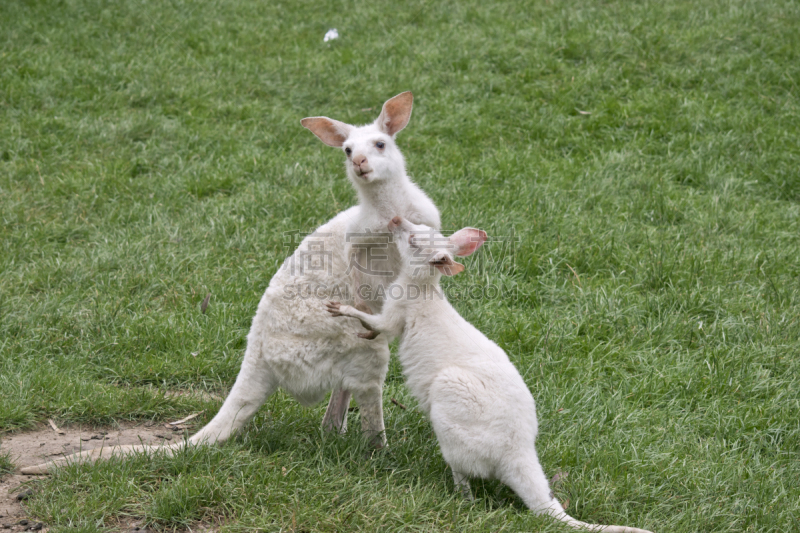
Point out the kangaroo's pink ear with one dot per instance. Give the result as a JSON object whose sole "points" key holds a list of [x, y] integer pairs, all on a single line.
{"points": [[467, 240], [396, 113], [331, 132]]}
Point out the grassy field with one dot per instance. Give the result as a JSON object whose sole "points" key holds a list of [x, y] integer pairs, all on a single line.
{"points": [[644, 154]]}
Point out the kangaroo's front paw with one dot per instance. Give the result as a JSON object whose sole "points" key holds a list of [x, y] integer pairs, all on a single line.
{"points": [[334, 308], [368, 335]]}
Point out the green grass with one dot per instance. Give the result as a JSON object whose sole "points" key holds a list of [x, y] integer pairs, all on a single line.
{"points": [[6, 465], [645, 155]]}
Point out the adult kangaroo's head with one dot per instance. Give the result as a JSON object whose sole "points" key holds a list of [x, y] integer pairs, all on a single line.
{"points": [[371, 152]]}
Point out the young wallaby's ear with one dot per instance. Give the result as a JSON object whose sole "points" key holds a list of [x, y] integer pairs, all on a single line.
{"points": [[395, 113], [331, 132], [445, 264], [467, 240]]}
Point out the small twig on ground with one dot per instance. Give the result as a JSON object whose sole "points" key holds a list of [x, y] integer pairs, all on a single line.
{"points": [[398, 404], [54, 426], [182, 420], [204, 305], [576, 275]]}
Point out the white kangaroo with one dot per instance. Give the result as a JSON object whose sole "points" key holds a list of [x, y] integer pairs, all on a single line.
{"points": [[293, 343], [482, 412]]}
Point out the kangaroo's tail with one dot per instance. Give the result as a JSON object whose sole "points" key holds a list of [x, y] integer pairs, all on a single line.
{"points": [[559, 514], [104, 452], [252, 387], [527, 479]]}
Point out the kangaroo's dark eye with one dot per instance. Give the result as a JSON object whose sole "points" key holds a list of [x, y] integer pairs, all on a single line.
{"points": [[348, 151], [381, 145]]}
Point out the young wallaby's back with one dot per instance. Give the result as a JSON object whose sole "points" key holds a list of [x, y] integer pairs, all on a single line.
{"points": [[481, 409], [293, 343]]}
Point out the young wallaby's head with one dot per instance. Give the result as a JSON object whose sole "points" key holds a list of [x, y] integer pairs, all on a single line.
{"points": [[372, 154], [427, 254]]}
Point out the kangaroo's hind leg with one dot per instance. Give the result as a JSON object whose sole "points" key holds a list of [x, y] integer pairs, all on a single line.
{"points": [[366, 374], [335, 418], [462, 484]]}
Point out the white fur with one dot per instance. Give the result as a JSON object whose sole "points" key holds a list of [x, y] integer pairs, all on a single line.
{"points": [[481, 409], [293, 343]]}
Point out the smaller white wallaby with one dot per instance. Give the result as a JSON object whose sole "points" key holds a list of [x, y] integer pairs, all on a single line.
{"points": [[482, 412]]}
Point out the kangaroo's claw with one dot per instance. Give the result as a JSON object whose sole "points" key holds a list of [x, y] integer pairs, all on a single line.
{"points": [[333, 308]]}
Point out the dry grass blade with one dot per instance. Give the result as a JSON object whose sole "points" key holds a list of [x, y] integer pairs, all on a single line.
{"points": [[54, 426], [398, 404], [183, 420]]}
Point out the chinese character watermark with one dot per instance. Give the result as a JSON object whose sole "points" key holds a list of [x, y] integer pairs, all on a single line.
{"points": [[490, 272]]}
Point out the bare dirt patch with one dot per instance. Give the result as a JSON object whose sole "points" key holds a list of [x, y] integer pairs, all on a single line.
{"points": [[45, 444]]}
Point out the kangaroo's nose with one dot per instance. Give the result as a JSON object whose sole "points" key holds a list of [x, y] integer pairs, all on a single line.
{"points": [[359, 160]]}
